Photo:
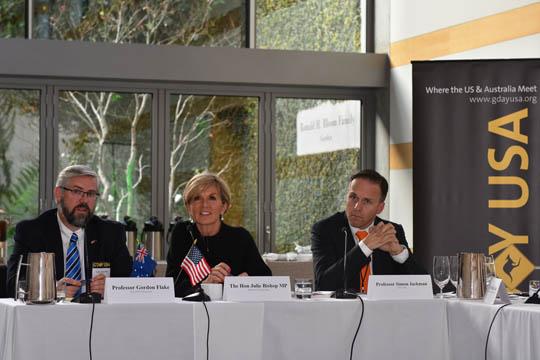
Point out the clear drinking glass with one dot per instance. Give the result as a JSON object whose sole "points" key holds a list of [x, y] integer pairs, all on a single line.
{"points": [[534, 285], [60, 291], [22, 290], [303, 288], [454, 266], [490, 269], [441, 272]]}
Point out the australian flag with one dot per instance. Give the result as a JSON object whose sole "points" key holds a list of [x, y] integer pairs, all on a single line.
{"points": [[195, 265], [143, 264]]}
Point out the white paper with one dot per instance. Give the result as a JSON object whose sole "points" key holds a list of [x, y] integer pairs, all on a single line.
{"points": [[257, 288], [494, 289], [383, 287]]}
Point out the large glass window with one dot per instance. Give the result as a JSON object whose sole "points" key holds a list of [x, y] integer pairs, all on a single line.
{"points": [[111, 132], [316, 144], [12, 18], [219, 134], [317, 25], [180, 22], [317, 149], [19, 155]]}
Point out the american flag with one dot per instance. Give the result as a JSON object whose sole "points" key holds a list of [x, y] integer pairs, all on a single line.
{"points": [[195, 265]]}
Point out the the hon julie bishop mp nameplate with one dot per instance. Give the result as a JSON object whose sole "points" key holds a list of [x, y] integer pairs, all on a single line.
{"points": [[139, 290], [257, 288]]}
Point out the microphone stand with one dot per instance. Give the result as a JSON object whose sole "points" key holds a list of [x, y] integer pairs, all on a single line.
{"points": [[88, 297], [534, 299], [345, 293]]}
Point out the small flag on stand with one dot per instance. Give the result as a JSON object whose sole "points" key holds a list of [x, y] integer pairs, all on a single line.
{"points": [[143, 264], [195, 266]]}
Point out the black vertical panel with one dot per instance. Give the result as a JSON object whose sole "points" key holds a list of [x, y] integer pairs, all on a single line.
{"points": [[451, 170]]}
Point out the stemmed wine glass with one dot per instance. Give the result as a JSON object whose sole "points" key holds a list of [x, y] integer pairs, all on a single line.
{"points": [[490, 269], [454, 266], [441, 272]]}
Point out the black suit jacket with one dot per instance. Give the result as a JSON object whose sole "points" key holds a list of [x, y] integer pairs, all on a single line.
{"points": [[327, 245], [106, 243]]}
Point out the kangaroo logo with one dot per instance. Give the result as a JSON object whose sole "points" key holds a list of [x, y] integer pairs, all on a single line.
{"points": [[513, 267], [510, 265]]}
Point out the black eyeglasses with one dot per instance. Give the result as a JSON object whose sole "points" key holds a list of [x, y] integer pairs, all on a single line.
{"points": [[79, 193]]}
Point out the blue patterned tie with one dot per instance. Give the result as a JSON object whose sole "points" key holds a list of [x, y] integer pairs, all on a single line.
{"points": [[73, 262]]}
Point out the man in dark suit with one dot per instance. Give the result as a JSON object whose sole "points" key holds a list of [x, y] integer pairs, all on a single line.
{"points": [[62, 231], [374, 246]]}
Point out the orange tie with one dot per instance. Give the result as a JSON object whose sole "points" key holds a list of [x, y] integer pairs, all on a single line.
{"points": [[365, 271]]}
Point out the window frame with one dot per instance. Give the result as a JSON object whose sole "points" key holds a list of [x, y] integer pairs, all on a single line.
{"points": [[366, 9], [266, 74]]}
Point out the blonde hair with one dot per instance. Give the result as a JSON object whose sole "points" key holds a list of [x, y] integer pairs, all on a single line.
{"points": [[200, 182]]}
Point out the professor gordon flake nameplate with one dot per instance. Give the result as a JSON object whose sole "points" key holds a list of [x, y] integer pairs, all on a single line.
{"points": [[139, 290]]}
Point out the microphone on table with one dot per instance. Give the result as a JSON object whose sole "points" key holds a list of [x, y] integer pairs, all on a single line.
{"points": [[533, 299], [88, 297], [345, 293]]}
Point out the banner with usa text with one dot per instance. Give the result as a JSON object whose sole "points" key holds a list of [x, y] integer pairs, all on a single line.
{"points": [[476, 163]]}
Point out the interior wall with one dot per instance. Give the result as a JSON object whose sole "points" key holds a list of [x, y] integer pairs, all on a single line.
{"points": [[445, 30]]}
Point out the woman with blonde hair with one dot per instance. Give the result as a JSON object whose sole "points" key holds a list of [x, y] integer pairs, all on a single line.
{"points": [[228, 250]]}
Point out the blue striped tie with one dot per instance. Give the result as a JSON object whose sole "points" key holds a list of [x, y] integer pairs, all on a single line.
{"points": [[73, 262]]}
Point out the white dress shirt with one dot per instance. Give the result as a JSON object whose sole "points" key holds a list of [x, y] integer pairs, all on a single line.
{"points": [[400, 258]]}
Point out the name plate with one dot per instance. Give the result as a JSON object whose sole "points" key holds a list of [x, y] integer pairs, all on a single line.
{"points": [[101, 268], [385, 287], [257, 288], [496, 288], [138, 290]]}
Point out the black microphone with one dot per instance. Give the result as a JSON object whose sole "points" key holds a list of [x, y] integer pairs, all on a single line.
{"points": [[344, 293], [88, 297], [533, 299]]}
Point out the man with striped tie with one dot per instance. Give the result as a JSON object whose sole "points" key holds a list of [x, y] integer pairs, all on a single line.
{"points": [[62, 231], [374, 246]]}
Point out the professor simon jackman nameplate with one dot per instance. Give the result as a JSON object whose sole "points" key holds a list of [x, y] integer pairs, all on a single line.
{"points": [[381, 287], [139, 290], [257, 288]]}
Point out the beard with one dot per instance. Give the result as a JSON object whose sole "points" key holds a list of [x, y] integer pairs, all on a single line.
{"points": [[76, 220]]}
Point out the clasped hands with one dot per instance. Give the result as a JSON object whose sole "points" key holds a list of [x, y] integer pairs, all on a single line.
{"points": [[97, 285], [383, 237], [218, 273]]}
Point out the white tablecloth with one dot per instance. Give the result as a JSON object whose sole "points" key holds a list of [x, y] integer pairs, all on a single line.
{"points": [[130, 331], [515, 333], [412, 329], [325, 329]]}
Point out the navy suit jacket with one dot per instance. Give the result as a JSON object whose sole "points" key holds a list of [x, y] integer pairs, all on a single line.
{"points": [[106, 242], [327, 245]]}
